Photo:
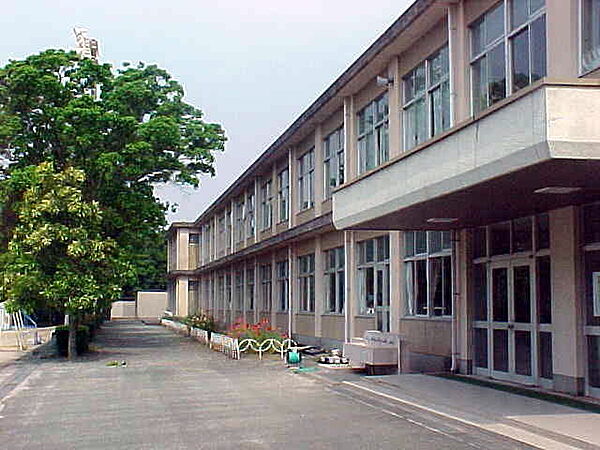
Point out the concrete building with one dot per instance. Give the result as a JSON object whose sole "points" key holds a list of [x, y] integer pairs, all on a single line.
{"points": [[442, 188]]}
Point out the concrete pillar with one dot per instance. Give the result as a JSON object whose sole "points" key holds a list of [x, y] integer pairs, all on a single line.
{"points": [[182, 297], [458, 44], [396, 280], [274, 304], [256, 212], [350, 150], [463, 303], [293, 289], [183, 250], [562, 17], [293, 188], [255, 287], [351, 291], [568, 344], [319, 286], [395, 106], [274, 200]]}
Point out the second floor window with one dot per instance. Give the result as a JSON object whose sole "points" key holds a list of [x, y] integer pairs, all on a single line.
{"points": [[590, 42], [194, 250], [494, 75], [283, 194], [333, 161], [427, 99], [373, 143], [239, 219], [266, 205], [306, 282], [306, 179], [250, 215]]}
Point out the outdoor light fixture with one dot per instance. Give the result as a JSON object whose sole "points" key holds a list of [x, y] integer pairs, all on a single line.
{"points": [[442, 220], [383, 81], [557, 190]]}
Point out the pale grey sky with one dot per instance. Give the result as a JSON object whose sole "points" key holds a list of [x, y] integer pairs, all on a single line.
{"points": [[252, 66]]}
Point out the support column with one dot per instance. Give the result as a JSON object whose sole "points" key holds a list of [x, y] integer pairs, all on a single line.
{"points": [[350, 275], [396, 280], [319, 287], [463, 303], [274, 201], [562, 17], [293, 291], [274, 304], [255, 293], [568, 344], [350, 151], [182, 297], [293, 191], [395, 108], [319, 183], [458, 47]]}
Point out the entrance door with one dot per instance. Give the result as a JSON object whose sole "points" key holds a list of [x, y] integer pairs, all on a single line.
{"points": [[512, 340], [382, 296]]}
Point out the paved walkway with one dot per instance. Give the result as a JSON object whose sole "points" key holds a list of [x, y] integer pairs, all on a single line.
{"points": [[176, 394]]}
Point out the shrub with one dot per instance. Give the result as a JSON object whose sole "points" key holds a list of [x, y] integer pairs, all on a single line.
{"points": [[201, 320], [260, 331], [82, 339]]}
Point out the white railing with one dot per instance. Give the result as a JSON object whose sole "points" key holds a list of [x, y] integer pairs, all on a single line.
{"points": [[229, 346]]}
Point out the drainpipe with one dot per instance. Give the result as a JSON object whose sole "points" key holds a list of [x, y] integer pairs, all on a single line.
{"points": [[455, 295]]}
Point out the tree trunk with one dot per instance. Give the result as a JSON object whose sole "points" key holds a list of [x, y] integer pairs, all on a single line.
{"points": [[72, 347]]}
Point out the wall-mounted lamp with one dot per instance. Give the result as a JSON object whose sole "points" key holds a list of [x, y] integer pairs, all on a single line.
{"points": [[383, 81]]}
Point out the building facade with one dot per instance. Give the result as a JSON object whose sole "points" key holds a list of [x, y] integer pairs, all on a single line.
{"points": [[442, 188]]}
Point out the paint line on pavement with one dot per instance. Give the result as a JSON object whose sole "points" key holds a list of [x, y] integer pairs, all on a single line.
{"points": [[515, 433]]}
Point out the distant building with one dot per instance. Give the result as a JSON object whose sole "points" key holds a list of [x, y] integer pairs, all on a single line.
{"points": [[87, 47], [445, 188]]}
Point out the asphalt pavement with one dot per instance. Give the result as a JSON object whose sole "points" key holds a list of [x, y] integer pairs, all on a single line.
{"points": [[174, 393]]}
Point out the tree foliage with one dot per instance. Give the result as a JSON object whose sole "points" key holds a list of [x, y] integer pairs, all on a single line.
{"points": [[57, 256], [125, 129]]}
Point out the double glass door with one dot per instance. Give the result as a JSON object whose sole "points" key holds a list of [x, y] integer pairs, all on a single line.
{"points": [[511, 316]]}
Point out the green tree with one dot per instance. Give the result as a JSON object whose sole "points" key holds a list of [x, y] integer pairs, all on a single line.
{"points": [[57, 255], [126, 129]]}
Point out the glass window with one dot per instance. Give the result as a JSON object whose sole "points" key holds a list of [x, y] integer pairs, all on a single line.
{"points": [[306, 175], [373, 141], [240, 220], [333, 161], [591, 34], [306, 278], [526, 58], [427, 99], [373, 255], [250, 215], [428, 273], [334, 280], [250, 289], [283, 194], [265, 287], [266, 205], [283, 285]]}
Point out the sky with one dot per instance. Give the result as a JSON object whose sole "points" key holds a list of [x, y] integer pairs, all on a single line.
{"points": [[252, 66]]}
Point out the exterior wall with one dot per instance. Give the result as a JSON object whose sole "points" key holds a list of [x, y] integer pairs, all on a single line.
{"points": [[151, 304], [557, 122]]}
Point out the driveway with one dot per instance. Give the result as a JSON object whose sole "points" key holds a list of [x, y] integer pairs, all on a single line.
{"points": [[176, 394]]}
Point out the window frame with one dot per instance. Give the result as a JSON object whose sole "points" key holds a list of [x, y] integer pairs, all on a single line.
{"points": [[282, 271], [505, 40], [266, 204], [240, 217], [595, 64], [364, 264], [306, 180], [283, 195], [250, 214], [333, 159], [337, 273], [427, 96], [266, 284], [250, 299], [374, 129], [429, 256], [306, 283]]}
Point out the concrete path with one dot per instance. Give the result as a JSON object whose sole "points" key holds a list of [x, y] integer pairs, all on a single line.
{"points": [[531, 421], [176, 394]]}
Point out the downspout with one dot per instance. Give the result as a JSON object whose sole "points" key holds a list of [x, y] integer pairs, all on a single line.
{"points": [[455, 296]]}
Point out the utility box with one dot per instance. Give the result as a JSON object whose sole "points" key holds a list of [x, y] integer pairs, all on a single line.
{"points": [[377, 352]]}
